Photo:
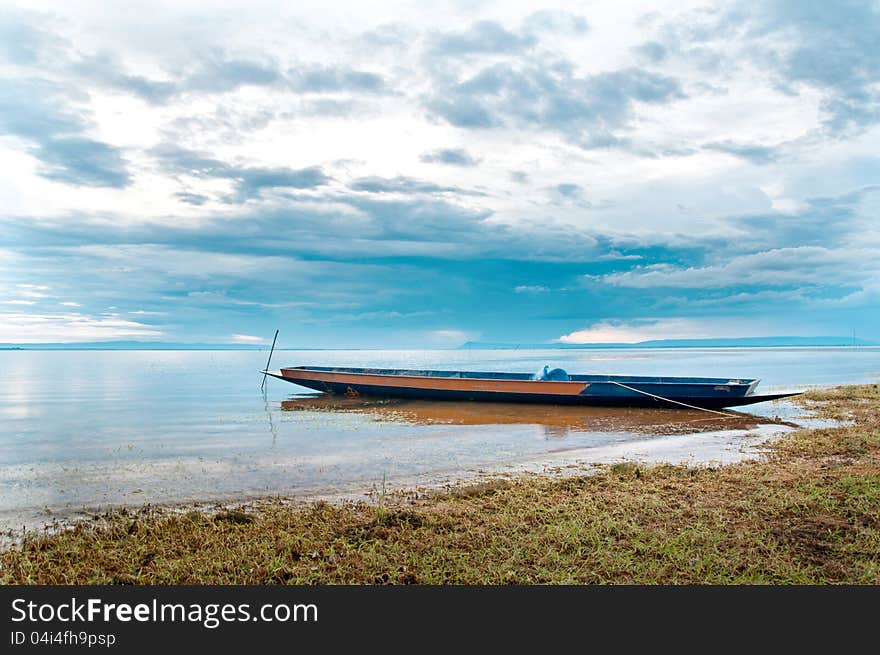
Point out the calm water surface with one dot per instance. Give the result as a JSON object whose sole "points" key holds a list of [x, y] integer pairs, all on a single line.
{"points": [[91, 429]]}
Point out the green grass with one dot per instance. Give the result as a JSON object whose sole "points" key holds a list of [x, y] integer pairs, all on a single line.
{"points": [[808, 512]]}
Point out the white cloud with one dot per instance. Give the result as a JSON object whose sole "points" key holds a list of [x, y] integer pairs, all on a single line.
{"points": [[70, 328], [634, 332], [799, 266], [445, 338], [247, 338], [672, 176]]}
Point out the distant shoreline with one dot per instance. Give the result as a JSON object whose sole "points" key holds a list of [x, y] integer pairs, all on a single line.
{"points": [[743, 342]]}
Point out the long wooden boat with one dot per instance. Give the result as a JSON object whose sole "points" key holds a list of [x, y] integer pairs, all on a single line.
{"points": [[558, 388]]}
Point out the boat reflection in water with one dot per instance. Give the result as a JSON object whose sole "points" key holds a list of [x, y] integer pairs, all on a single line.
{"points": [[558, 421]]}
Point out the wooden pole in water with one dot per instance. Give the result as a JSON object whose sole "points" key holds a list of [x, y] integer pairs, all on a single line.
{"points": [[265, 371]]}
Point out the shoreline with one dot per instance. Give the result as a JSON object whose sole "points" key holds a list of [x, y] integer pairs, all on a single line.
{"points": [[617, 522], [684, 441]]}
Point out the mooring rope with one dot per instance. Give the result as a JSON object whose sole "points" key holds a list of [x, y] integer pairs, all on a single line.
{"points": [[669, 400]]}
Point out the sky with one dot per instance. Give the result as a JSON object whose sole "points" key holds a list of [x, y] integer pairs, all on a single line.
{"points": [[417, 175]]}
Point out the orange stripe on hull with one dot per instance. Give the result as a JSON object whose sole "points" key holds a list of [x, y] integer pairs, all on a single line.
{"points": [[449, 384]]}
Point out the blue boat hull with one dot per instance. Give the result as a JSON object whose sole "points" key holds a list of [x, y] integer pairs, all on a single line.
{"points": [[613, 391]]}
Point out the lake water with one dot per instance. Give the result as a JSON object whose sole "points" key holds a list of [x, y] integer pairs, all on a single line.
{"points": [[85, 430]]}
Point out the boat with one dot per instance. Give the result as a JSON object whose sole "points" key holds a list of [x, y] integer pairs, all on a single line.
{"points": [[550, 386]]}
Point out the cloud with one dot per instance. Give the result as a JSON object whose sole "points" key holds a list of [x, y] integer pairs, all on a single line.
{"points": [[449, 338], [70, 328], [23, 43], [221, 74], [436, 171], [324, 79], [781, 267], [80, 161], [247, 338], [205, 70], [826, 221], [555, 21], [803, 45], [249, 181], [196, 199], [754, 153], [40, 113], [450, 156], [105, 69], [615, 255], [569, 190], [588, 111], [836, 51], [400, 184], [252, 180], [481, 37], [637, 331], [652, 51]]}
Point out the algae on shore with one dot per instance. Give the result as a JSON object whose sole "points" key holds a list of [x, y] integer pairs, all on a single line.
{"points": [[808, 512]]}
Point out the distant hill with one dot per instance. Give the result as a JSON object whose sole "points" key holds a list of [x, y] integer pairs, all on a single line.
{"points": [[744, 342]]}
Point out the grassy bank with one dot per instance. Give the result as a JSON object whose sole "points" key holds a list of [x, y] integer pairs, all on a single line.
{"points": [[807, 512]]}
